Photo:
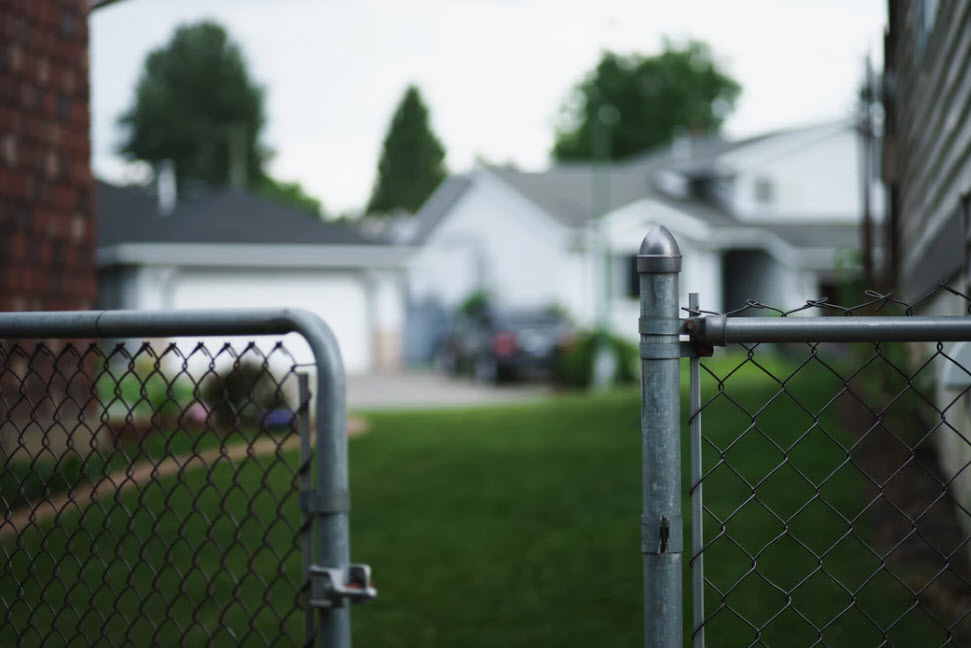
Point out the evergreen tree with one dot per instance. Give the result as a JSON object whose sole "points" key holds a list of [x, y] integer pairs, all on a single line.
{"points": [[412, 159]]}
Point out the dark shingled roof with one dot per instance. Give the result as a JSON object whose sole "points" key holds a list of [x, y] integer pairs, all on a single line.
{"points": [[210, 215], [567, 191]]}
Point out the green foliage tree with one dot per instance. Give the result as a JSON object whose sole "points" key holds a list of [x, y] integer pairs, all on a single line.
{"points": [[412, 160], [628, 104], [291, 194], [196, 105]]}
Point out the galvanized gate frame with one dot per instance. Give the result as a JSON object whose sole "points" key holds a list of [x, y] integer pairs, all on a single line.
{"points": [[659, 264], [332, 579]]}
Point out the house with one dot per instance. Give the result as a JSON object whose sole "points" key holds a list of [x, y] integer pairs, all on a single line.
{"points": [[225, 248], [47, 217], [769, 218], [927, 171], [927, 150]]}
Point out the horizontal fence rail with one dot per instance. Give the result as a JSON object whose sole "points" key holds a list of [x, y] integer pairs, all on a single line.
{"points": [[720, 330], [172, 492]]}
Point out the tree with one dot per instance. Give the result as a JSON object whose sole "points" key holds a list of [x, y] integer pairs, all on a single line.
{"points": [[412, 159], [196, 105], [628, 104], [291, 194]]}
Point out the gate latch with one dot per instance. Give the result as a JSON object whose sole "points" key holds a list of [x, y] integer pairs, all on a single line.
{"points": [[330, 587]]}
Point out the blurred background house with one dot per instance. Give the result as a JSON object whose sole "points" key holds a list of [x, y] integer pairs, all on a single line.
{"points": [[228, 248], [770, 217], [47, 216], [927, 169]]}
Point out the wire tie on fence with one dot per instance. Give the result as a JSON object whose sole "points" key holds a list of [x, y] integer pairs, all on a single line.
{"points": [[325, 502]]}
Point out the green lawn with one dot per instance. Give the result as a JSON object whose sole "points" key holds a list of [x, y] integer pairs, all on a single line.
{"points": [[508, 526]]}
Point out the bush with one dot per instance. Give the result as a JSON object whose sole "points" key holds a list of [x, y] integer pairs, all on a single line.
{"points": [[245, 392], [575, 365]]}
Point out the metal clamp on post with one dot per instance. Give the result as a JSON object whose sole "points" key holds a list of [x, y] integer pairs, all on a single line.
{"points": [[330, 587], [693, 348], [323, 503]]}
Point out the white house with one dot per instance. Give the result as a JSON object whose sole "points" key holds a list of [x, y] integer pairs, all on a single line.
{"points": [[767, 218], [222, 248]]}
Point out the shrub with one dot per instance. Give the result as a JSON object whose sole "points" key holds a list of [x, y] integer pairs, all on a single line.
{"points": [[475, 304], [575, 365], [245, 392]]}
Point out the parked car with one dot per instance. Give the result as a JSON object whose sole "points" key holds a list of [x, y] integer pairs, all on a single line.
{"points": [[495, 345]]}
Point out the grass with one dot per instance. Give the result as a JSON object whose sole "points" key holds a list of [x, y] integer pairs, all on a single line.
{"points": [[508, 526]]}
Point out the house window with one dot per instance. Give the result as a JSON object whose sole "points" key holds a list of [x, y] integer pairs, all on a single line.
{"points": [[633, 287], [764, 191]]}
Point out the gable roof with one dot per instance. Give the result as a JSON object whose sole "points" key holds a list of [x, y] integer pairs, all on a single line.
{"points": [[211, 215], [437, 206]]}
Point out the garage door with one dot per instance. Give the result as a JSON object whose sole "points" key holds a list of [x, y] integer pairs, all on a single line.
{"points": [[339, 298]]}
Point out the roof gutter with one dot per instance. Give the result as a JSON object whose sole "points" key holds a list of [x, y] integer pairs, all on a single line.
{"points": [[255, 255]]}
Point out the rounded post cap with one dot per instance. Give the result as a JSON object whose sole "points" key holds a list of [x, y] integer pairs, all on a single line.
{"points": [[659, 242], [659, 252]]}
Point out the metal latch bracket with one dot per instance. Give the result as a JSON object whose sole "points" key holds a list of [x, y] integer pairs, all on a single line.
{"points": [[331, 587]]}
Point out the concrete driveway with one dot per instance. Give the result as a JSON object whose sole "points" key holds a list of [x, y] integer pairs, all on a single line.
{"points": [[429, 389]]}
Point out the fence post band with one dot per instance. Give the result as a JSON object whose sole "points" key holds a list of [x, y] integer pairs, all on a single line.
{"points": [[322, 503], [658, 264], [649, 326]]}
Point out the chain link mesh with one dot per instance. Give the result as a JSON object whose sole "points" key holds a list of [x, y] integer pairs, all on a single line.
{"points": [[836, 489], [149, 495]]}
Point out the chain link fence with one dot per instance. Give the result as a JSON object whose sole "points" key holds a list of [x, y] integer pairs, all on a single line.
{"points": [[168, 492], [149, 495], [829, 452], [836, 489]]}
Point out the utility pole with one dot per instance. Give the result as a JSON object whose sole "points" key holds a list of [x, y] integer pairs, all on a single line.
{"points": [[866, 135], [605, 361]]}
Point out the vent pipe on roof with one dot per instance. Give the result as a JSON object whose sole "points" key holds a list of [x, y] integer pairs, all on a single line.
{"points": [[168, 193]]}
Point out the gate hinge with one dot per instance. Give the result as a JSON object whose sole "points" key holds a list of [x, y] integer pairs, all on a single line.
{"points": [[330, 587]]}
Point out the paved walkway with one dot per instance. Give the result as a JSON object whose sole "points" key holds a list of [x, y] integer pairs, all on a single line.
{"points": [[144, 472], [429, 389]]}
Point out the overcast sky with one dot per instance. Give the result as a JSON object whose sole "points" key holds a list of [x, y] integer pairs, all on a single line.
{"points": [[493, 72]]}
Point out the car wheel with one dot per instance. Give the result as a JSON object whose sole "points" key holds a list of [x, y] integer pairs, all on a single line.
{"points": [[487, 370]]}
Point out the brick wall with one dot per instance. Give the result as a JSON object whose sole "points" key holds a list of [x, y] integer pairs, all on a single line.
{"points": [[47, 217]]}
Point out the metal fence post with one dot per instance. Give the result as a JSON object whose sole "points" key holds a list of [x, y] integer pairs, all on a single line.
{"points": [[659, 263]]}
